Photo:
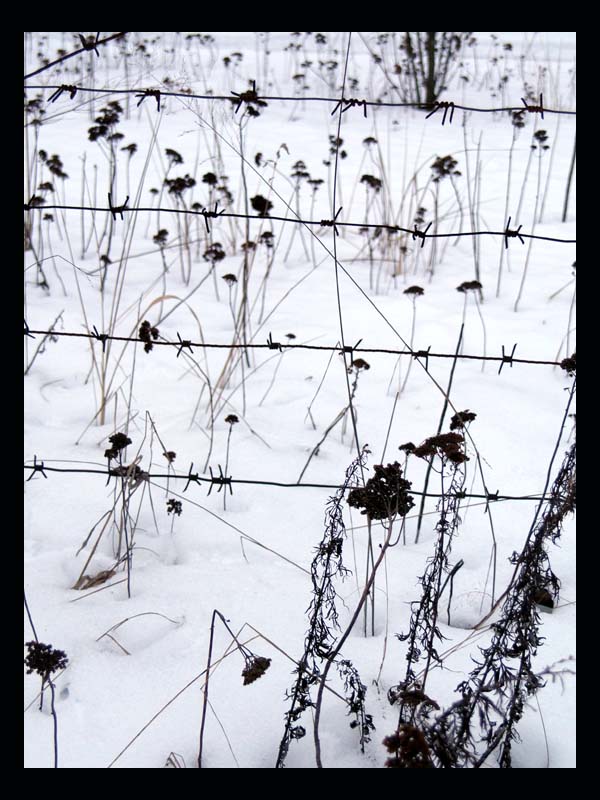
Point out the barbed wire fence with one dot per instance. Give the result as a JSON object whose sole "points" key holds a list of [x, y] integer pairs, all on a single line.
{"points": [[442, 110]]}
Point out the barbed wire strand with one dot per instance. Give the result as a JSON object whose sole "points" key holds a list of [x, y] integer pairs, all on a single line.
{"points": [[86, 45], [32, 205], [280, 346], [227, 481], [350, 102]]}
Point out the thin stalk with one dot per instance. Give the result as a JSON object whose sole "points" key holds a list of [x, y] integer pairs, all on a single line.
{"points": [[439, 430], [506, 204], [569, 179]]}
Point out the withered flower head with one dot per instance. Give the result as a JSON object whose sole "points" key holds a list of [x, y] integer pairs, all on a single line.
{"points": [[358, 364], [229, 279], [43, 659], [384, 495], [468, 285], [214, 253], [569, 364], [445, 445], [460, 418], [146, 334], [372, 182], [119, 441], [231, 419], [255, 668], [170, 456], [174, 506], [160, 238], [414, 290], [261, 205]]}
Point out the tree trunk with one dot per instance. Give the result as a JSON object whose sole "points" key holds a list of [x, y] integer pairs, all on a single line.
{"points": [[430, 94]]}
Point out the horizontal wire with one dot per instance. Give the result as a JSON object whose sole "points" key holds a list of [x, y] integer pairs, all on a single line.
{"points": [[416, 234], [235, 98], [226, 481], [281, 347]]}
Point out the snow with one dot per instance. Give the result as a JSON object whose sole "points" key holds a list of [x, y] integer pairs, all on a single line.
{"points": [[184, 567]]}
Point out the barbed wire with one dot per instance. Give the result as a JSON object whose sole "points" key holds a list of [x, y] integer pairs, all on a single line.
{"points": [[188, 345], [252, 96], [89, 44], [136, 475], [416, 234]]}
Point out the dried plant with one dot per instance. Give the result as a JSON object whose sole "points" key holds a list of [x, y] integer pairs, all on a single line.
{"points": [[254, 668], [44, 660], [492, 699], [327, 566], [414, 705]]}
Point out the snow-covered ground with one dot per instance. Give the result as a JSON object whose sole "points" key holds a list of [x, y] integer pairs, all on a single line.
{"points": [[251, 560]]}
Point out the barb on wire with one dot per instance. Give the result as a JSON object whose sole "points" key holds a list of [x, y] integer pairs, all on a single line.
{"points": [[507, 359], [347, 348], [515, 234], [249, 96], [211, 215], [72, 90], [114, 210], [219, 480], [447, 106], [26, 330], [86, 44], [33, 202], [192, 477], [90, 43], [35, 467], [100, 337], [423, 354], [331, 223], [183, 343], [155, 93], [273, 345], [350, 103], [535, 109], [417, 234], [490, 497]]}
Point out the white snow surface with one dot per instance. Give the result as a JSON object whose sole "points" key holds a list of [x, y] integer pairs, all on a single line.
{"points": [[184, 567]]}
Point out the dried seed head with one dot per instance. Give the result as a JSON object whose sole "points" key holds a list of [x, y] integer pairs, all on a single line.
{"points": [[461, 418], [174, 506], [569, 365], [146, 334], [43, 659], [384, 495], [255, 668], [119, 441], [469, 285]]}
